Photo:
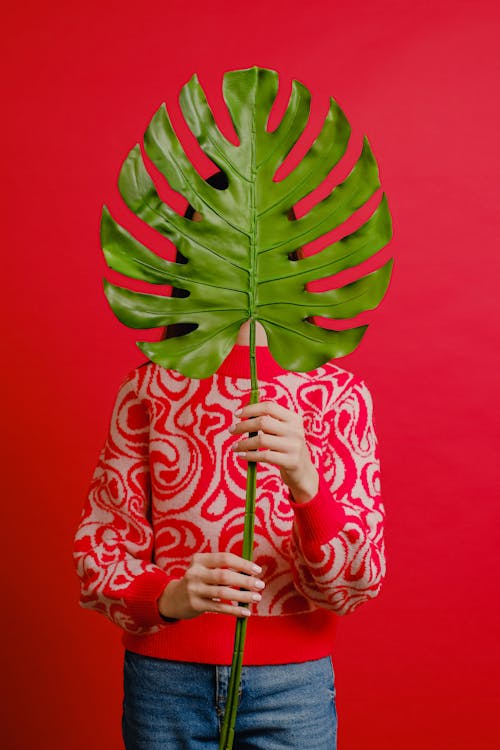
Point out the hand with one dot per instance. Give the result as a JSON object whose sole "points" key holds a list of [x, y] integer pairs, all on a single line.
{"points": [[280, 440], [214, 582]]}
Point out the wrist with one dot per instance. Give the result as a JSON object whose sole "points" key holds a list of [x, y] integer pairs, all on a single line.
{"points": [[166, 606], [307, 488]]}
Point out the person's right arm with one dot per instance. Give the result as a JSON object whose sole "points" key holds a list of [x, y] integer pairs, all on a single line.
{"points": [[114, 542]]}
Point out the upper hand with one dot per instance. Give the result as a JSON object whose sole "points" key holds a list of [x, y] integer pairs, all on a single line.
{"points": [[280, 440]]}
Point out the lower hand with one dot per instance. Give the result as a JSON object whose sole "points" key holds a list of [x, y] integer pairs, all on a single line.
{"points": [[214, 582]]}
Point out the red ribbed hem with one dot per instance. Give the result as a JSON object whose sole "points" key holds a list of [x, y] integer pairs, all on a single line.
{"points": [[208, 639], [320, 519], [143, 595]]}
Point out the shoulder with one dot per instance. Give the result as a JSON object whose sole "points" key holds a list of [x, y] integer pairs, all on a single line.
{"points": [[330, 376], [135, 381], [137, 374], [149, 382], [344, 386]]}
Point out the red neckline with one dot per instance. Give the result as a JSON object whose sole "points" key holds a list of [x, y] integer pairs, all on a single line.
{"points": [[237, 363]]}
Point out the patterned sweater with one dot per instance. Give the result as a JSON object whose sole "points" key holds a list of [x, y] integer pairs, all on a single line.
{"points": [[167, 485]]}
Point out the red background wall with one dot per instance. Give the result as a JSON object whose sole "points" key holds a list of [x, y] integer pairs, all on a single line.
{"points": [[418, 667]]}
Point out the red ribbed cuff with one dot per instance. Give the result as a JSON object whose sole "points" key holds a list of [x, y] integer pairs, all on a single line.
{"points": [[142, 598], [320, 519]]}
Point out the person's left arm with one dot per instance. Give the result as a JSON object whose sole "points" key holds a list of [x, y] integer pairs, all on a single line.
{"points": [[336, 547]]}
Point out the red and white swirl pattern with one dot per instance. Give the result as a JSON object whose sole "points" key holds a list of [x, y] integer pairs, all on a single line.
{"points": [[348, 569], [167, 485]]}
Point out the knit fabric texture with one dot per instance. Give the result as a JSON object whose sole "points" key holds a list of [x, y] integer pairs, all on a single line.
{"points": [[167, 485]]}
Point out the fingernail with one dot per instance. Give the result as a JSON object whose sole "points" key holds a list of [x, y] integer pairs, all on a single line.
{"points": [[256, 568], [245, 612], [259, 584], [232, 428], [256, 597], [238, 412]]}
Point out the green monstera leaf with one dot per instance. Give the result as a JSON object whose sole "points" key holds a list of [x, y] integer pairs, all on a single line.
{"points": [[238, 265]]}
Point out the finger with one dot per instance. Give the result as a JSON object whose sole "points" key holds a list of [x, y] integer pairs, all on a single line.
{"points": [[268, 457], [227, 560], [224, 577], [265, 423], [266, 407], [228, 609], [225, 594], [264, 441]]}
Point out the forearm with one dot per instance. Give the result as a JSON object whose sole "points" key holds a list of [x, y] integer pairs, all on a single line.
{"points": [[337, 549], [341, 573], [125, 590], [114, 542]]}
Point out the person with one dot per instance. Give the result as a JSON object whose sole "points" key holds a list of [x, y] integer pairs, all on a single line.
{"points": [[158, 545]]}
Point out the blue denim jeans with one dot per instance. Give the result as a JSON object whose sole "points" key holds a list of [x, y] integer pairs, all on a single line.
{"points": [[171, 705]]}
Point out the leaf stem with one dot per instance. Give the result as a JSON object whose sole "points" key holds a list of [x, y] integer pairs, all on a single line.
{"points": [[229, 722]]}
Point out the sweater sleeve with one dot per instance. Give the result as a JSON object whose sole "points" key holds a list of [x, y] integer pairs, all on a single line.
{"points": [[337, 546], [113, 545]]}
